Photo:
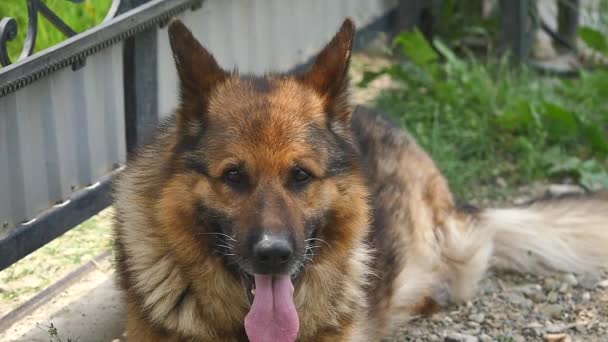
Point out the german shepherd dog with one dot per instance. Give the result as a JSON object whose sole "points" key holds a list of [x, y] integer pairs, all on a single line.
{"points": [[268, 209]]}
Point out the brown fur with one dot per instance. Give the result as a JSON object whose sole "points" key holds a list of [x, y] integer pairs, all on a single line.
{"points": [[394, 244]]}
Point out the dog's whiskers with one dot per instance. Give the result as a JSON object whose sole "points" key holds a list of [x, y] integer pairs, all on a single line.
{"points": [[317, 239], [220, 234], [309, 252], [223, 253], [225, 246], [308, 255]]}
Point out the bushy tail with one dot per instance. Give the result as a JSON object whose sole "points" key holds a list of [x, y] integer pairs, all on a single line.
{"points": [[568, 234]]}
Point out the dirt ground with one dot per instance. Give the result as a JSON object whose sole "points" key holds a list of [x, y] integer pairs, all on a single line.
{"points": [[50, 263], [90, 309], [509, 307]]}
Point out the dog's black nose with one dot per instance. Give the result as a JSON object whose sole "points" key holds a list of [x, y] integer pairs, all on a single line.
{"points": [[272, 254]]}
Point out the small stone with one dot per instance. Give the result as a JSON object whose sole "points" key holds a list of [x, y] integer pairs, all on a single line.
{"points": [[457, 337], [518, 338], [552, 310], [570, 279], [603, 284], [532, 291], [436, 318], [519, 300], [552, 297], [564, 189], [527, 289], [485, 338], [557, 338], [501, 182], [538, 297], [490, 288], [589, 281], [585, 297], [472, 331], [563, 288], [551, 284], [555, 328], [534, 325], [522, 200], [534, 329], [477, 317], [473, 324]]}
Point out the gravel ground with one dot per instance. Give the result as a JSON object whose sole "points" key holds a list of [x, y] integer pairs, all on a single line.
{"points": [[516, 308]]}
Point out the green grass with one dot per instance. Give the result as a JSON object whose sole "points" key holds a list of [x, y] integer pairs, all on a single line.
{"points": [[79, 17], [57, 258], [482, 121]]}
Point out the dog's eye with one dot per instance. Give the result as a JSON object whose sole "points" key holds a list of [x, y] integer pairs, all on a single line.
{"points": [[301, 176], [234, 176]]}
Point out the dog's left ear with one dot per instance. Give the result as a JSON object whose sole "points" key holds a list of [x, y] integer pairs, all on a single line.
{"points": [[198, 71], [329, 74]]}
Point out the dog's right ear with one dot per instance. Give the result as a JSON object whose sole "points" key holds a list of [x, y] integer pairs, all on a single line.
{"points": [[198, 71]]}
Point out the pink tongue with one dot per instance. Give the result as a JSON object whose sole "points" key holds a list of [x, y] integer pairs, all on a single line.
{"points": [[273, 316]]}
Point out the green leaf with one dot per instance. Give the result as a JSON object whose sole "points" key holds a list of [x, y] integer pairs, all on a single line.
{"points": [[395, 71], [567, 164], [594, 181], [596, 136], [477, 30], [517, 119], [591, 174], [594, 39], [416, 48], [369, 77], [559, 122], [448, 54]]}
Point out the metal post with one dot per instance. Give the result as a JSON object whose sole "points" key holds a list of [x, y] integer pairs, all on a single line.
{"points": [[516, 27], [568, 15], [140, 83], [416, 13]]}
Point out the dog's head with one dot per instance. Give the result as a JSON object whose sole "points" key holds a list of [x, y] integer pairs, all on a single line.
{"points": [[266, 173]]}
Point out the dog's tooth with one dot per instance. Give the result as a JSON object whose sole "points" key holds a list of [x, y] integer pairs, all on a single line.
{"points": [[253, 291]]}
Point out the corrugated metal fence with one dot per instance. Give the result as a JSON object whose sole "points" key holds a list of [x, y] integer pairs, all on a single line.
{"points": [[257, 36], [65, 132], [59, 135]]}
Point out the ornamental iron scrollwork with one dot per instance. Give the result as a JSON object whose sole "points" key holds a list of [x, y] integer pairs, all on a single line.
{"points": [[9, 29]]}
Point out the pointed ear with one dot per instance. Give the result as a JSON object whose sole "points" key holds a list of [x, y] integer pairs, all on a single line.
{"points": [[329, 73], [198, 71]]}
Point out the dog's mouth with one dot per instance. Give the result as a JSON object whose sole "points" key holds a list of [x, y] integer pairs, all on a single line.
{"points": [[248, 279], [248, 282], [273, 315]]}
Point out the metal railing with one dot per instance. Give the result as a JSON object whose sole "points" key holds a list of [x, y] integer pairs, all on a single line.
{"points": [[70, 114]]}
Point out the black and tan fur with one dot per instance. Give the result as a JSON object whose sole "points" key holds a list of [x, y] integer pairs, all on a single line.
{"points": [[391, 241]]}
